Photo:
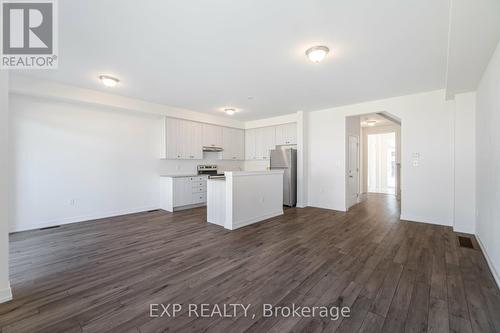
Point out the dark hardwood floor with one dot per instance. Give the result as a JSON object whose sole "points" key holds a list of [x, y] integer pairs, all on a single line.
{"points": [[396, 276]]}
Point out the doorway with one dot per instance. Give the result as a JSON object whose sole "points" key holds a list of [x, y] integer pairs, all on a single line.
{"points": [[381, 163], [380, 154]]}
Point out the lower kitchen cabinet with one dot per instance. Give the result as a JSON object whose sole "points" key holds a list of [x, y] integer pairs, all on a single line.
{"points": [[177, 193]]}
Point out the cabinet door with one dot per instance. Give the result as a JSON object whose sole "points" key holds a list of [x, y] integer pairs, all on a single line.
{"points": [[173, 145], [250, 144], [239, 144], [182, 194], [233, 144], [192, 137], [212, 135], [268, 142], [281, 135], [291, 134], [227, 143], [286, 134], [259, 144]]}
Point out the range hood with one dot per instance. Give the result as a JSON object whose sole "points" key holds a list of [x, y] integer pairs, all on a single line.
{"points": [[212, 148]]}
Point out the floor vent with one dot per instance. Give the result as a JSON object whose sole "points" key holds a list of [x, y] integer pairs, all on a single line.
{"points": [[465, 242], [53, 227]]}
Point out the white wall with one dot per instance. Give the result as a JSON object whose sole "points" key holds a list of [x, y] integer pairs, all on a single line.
{"points": [[105, 159], [5, 293], [464, 143], [58, 91], [488, 163], [273, 121], [427, 129]]}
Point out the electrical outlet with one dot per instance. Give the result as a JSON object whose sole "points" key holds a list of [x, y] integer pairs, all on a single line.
{"points": [[72, 202]]}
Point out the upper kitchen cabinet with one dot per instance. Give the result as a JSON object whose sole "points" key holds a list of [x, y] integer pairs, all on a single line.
{"points": [[193, 140], [233, 142], [286, 134], [265, 140], [173, 145], [211, 136], [183, 139], [250, 144]]}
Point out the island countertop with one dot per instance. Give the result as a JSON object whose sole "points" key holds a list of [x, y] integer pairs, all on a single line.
{"points": [[183, 175]]}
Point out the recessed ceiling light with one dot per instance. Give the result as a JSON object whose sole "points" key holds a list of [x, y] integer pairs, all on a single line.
{"points": [[317, 53], [371, 122], [108, 80], [230, 111]]}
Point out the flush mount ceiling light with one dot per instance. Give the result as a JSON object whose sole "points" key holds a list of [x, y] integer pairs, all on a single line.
{"points": [[230, 111], [108, 80], [317, 53]]}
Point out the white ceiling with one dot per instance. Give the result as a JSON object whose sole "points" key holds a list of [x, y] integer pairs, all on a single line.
{"points": [[474, 34], [205, 55]]}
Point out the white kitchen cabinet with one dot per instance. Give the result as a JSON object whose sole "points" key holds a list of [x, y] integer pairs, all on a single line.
{"points": [[265, 140], [212, 136], [250, 144], [179, 193], [258, 143], [182, 192], [172, 145], [233, 142], [183, 139], [192, 138], [286, 134]]}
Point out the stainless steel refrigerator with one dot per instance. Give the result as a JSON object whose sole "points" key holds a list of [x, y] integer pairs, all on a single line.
{"points": [[286, 159]]}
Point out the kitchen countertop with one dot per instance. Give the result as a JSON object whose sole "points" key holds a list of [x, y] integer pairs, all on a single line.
{"points": [[183, 175]]}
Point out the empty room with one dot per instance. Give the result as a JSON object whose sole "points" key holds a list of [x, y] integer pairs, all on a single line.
{"points": [[249, 166]]}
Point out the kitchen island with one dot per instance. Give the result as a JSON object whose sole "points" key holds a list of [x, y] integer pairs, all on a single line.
{"points": [[244, 197]]}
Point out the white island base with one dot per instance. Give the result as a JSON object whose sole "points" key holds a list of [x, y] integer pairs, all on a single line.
{"points": [[244, 197]]}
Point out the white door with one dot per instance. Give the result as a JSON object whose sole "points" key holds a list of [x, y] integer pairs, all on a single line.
{"points": [[353, 171]]}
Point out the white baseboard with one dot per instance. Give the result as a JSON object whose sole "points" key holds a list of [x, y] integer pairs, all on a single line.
{"points": [[422, 219], [5, 295], [496, 276], [319, 205], [244, 223], [82, 218]]}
